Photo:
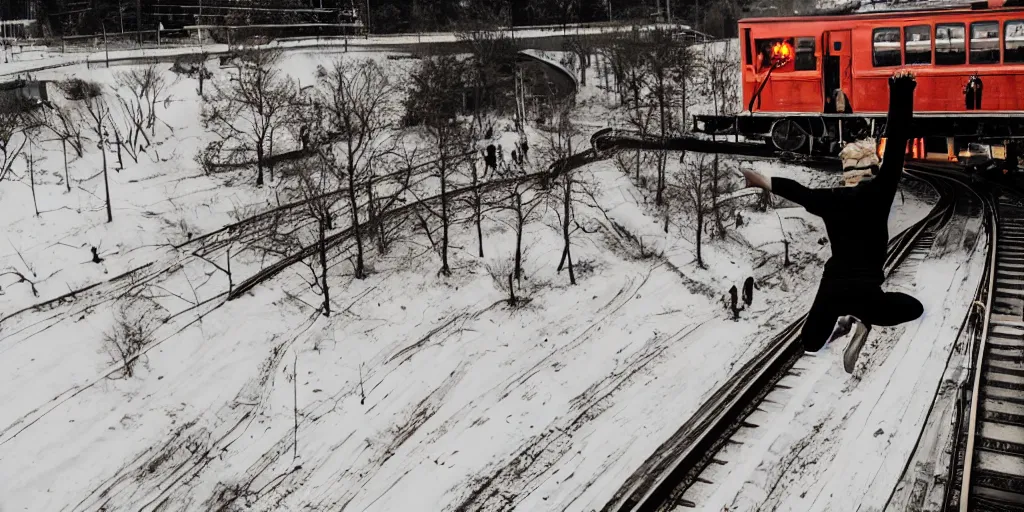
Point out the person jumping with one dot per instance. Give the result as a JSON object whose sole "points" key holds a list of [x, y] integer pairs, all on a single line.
{"points": [[856, 219]]}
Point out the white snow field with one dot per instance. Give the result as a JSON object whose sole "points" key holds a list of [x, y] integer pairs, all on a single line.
{"points": [[421, 392]]}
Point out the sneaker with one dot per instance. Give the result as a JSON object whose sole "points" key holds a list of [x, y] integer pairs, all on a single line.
{"points": [[842, 328], [843, 325], [852, 351]]}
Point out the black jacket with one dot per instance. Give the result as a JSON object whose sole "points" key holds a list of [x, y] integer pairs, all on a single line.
{"points": [[856, 218]]}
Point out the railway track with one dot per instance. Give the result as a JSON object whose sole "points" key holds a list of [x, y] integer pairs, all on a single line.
{"points": [[671, 479], [989, 463]]}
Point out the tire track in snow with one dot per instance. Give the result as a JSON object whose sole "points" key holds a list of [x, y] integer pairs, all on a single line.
{"points": [[274, 477], [507, 484], [610, 309], [158, 474], [161, 471]]}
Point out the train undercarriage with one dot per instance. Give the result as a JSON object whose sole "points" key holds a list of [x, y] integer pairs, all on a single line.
{"points": [[983, 142]]}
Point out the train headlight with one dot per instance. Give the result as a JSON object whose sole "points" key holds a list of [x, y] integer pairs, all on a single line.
{"points": [[782, 52]]}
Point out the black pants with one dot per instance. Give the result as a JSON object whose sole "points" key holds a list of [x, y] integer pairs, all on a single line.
{"points": [[866, 302]]}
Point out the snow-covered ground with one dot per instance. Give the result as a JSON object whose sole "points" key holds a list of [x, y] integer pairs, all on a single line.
{"points": [[420, 393]]}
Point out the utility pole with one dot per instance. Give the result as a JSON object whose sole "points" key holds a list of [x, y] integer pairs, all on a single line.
{"points": [[138, 19], [106, 49], [367, 18]]}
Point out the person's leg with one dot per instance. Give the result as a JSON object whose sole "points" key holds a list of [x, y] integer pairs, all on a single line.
{"points": [[821, 320], [875, 307], [890, 308]]}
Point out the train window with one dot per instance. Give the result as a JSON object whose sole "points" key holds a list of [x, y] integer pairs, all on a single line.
{"points": [[985, 42], [746, 43], [1014, 49], [804, 60], [917, 44], [950, 44], [886, 47]]}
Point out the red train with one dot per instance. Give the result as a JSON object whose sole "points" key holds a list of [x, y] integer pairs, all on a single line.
{"points": [[810, 83]]}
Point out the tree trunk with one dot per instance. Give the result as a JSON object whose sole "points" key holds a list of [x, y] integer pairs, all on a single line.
{"points": [[106, 181], [445, 269], [117, 140], [32, 181], [715, 178], [700, 231], [682, 101], [566, 214], [259, 164], [356, 228], [477, 211], [270, 164], [638, 163], [67, 178], [583, 68], [323, 270], [518, 198], [658, 196], [375, 224]]}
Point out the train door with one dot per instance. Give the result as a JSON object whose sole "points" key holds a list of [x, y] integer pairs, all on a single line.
{"points": [[838, 71]]}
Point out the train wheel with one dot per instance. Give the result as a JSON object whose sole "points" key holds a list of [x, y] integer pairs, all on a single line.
{"points": [[787, 135]]}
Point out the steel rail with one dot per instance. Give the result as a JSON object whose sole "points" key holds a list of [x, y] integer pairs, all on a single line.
{"points": [[965, 482]]}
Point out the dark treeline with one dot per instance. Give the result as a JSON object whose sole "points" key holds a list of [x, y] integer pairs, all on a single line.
{"points": [[390, 16]]}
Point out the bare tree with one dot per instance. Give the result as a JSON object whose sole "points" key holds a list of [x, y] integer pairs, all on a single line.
{"points": [[559, 146], [582, 47], [148, 87], [246, 113], [30, 162], [16, 125], [719, 74], [720, 185], [358, 101], [433, 101], [695, 191], [98, 112], [134, 324], [145, 88], [492, 51], [524, 201], [385, 194], [476, 201], [625, 55], [65, 123], [669, 64], [193, 66], [314, 183]]}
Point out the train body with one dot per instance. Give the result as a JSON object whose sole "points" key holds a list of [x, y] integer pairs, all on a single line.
{"points": [[811, 83]]}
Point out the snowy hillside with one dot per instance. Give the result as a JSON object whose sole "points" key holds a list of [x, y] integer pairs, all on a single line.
{"points": [[420, 392]]}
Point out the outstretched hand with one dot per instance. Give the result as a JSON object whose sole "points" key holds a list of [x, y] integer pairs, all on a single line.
{"points": [[902, 81], [755, 179]]}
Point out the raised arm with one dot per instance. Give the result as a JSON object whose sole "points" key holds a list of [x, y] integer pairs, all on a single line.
{"points": [[816, 200], [897, 132]]}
